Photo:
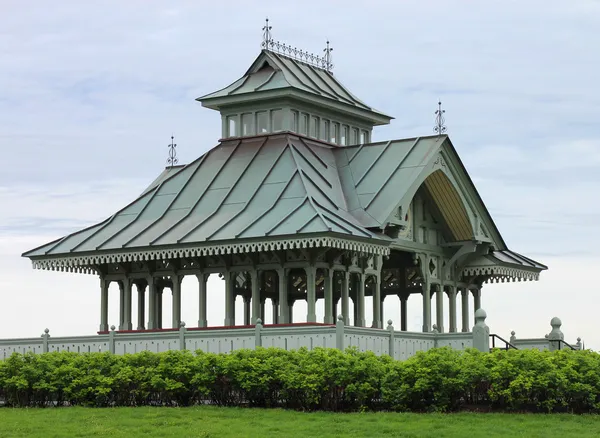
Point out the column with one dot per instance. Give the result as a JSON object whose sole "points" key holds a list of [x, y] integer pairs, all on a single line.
{"points": [[229, 298], [476, 298], [121, 304], [141, 295], [255, 285], [381, 310], [176, 292], [159, 306], [376, 302], [282, 282], [291, 311], [127, 284], [426, 306], [311, 294], [104, 284], [346, 297], [334, 312], [403, 311], [465, 309], [151, 304], [247, 299], [202, 279], [328, 293], [439, 307], [452, 303], [275, 311], [360, 301], [262, 310]]}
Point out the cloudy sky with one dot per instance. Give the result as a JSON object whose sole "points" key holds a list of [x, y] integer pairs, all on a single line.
{"points": [[91, 93]]}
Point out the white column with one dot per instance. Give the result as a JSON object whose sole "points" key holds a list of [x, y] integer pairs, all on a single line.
{"points": [[346, 297], [121, 305], [283, 296], [426, 307], [255, 284], [127, 284], [465, 309], [275, 311], [360, 301], [202, 279], [141, 295], [328, 292], [159, 306], [229, 298], [247, 300], [176, 291], [151, 304], [311, 294], [476, 298], [439, 307], [104, 284], [377, 302], [452, 303]]}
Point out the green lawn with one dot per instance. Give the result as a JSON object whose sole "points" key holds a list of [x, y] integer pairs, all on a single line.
{"points": [[236, 422]]}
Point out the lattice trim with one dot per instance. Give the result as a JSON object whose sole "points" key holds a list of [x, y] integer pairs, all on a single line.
{"points": [[83, 263], [501, 274]]}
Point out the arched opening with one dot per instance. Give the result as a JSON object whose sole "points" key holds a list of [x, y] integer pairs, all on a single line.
{"points": [[448, 205]]}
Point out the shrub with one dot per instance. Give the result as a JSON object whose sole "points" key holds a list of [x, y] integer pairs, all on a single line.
{"points": [[438, 380]]}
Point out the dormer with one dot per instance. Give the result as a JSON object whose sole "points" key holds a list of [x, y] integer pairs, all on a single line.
{"points": [[290, 90]]}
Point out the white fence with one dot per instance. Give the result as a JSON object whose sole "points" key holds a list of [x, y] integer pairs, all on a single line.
{"points": [[399, 345]]}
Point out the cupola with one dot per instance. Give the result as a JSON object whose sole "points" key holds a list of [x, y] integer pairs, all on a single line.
{"points": [[286, 89]]}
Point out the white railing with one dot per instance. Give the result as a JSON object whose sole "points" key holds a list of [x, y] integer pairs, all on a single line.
{"points": [[400, 345]]}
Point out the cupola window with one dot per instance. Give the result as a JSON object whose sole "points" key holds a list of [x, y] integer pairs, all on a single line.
{"points": [[277, 120], [262, 122], [247, 124]]}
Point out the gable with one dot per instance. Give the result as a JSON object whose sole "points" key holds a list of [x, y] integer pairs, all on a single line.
{"points": [[382, 179]]}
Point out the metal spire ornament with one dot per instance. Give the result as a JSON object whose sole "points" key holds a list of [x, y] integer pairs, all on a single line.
{"points": [[267, 37], [327, 64], [172, 160], [439, 127]]}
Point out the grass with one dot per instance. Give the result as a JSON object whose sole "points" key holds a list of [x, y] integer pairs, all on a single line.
{"points": [[236, 422]]}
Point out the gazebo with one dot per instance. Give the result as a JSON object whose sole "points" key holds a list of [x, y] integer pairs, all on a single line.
{"points": [[296, 203]]}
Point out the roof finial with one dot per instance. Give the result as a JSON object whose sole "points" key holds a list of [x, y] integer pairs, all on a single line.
{"points": [[172, 160], [267, 37], [327, 64], [439, 127]]}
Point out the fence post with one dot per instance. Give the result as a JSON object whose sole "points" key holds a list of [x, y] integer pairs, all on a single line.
{"points": [[339, 333], [390, 329], [556, 335], [434, 330], [513, 338], [182, 331], [578, 344], [45, 338], [481, 332], [258, 328], [111, 340]]}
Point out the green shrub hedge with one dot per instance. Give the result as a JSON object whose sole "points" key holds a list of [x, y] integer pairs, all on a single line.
{"points": [[323, 379]]}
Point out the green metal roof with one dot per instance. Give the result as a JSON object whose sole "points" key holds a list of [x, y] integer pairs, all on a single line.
{"points": [[376, 173], [274, 72], [258, 187]]}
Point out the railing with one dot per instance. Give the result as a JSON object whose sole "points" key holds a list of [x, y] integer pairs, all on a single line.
{"points": [[507, 345], [400, 345], [561, 343]]}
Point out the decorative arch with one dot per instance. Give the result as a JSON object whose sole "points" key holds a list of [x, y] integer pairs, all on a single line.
{"points": [[450, 205]]}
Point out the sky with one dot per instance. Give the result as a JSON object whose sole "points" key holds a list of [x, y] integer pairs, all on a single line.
{"points": [[90, 94]]}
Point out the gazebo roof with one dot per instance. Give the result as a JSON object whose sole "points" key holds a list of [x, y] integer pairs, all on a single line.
{"points": [[273, 75]]}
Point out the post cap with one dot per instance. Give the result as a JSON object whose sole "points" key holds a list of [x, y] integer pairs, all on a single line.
{"points": [[182, 324], [340, 317], [112, 327], [46, 331]]}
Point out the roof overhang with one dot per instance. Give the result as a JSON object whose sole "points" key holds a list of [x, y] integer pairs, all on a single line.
{"points": [[86, 262], [504, 265]]}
